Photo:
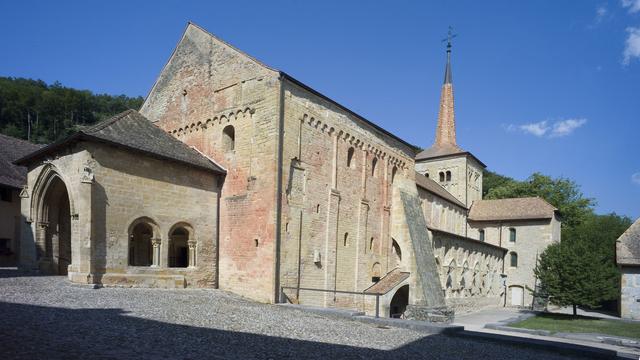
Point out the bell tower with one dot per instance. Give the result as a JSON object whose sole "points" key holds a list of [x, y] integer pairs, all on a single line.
{"points": [[455, 169]]}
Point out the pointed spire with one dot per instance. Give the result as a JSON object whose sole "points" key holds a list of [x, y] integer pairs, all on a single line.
{"points": [[446, 130]]}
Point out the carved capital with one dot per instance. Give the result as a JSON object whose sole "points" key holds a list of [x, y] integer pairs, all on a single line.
{"points": [[192, 244], [156, 242]]}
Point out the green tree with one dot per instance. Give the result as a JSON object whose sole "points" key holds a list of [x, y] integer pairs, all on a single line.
{"points": [[562, 193], [50, 112], [581, 270]]}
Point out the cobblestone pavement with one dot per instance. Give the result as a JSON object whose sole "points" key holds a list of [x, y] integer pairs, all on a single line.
{"points": [[49, 318]]}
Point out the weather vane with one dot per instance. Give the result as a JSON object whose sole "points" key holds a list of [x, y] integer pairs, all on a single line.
{"points": [[450, 36]]}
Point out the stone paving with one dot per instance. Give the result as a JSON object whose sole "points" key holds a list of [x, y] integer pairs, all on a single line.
{"points": [[49, 318]]}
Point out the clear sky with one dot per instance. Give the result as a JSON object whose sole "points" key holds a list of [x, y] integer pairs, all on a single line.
{"points": [[549, 86]]}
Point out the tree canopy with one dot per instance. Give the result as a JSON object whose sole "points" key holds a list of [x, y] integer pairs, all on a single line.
{"points": [[561, 192], [31, 109]]}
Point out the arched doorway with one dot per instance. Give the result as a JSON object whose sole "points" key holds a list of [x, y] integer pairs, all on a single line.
{"points": [[53, 233], [399, 302]]}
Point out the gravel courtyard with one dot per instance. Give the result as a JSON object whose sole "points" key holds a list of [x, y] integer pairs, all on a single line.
{"points": [[48, 318]]}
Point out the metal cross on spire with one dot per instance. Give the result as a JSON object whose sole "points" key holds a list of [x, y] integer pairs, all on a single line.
{"points": [[447, 71], [450, 36]]}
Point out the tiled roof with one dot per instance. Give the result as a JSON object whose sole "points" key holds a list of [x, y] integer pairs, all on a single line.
{"points": [[435, 188], [439, 151], [133, 131], [628, 246], [388, 282], [528, 208], [12, 149]]}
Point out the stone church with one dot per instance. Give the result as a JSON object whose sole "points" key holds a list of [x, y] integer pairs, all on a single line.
{"points": [[237, 176]]}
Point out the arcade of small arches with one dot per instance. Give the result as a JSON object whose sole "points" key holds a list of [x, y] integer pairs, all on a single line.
{"points": [[145, 245], [475, 275]]}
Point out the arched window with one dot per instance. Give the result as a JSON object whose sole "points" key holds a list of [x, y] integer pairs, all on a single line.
{"points": [[448, 175], [514, 259], [228, 138], [179, 248], [441, 174], [140, 247], [346, 239], [393, 174], [481, 234], [374, 162], [512, 235], [350, 162]]}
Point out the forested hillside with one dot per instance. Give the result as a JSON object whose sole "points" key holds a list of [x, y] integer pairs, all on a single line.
{"points": [[42, 113]]}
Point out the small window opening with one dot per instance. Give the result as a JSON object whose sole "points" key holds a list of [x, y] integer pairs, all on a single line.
{"points": [[228, 138], [374, 162], [512, 235], [426, 174], [350, 162], [481, 234], [393, 174], [371, 244], [375, 279], [318, 209], [346, 239], [448, 175], [514, 259], [255, 241], [441, 174]]}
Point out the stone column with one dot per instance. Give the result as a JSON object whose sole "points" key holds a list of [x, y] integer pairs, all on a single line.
{"points": [[41, 240], [192, 253], [156, 252]]}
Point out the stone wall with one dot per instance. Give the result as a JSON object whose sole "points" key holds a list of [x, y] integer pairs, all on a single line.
{"points": [[532, 237], [470, 271], [206, 86], [630, 292], [109, 190], [442, 214], [338, 176], [466, 176], [128, 187]]}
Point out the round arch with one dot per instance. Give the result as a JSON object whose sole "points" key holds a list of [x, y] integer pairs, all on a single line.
{"points": [[182, 244], [143, 235], [399, 302]]}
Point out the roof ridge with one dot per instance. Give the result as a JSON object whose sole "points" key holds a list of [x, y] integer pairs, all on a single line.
{"points": [[105, 123]]}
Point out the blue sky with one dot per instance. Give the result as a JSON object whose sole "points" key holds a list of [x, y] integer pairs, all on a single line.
{"points": [[548, 86]]}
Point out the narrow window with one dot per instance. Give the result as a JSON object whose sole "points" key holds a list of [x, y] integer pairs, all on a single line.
{"points": [[481, 236], [441, 174], [393, 174], [228, 138], [371, 244], [346, 239], [350, 162], [448, 175], [374, 162], [514, 259], [512, 235], [318, 209]]}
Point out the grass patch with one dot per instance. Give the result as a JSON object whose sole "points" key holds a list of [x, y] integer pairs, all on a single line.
{"points": [[580, 324]]}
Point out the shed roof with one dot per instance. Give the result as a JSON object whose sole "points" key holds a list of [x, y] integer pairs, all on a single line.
{"points": [[11, 149], [528, 208], [133, 131]]}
